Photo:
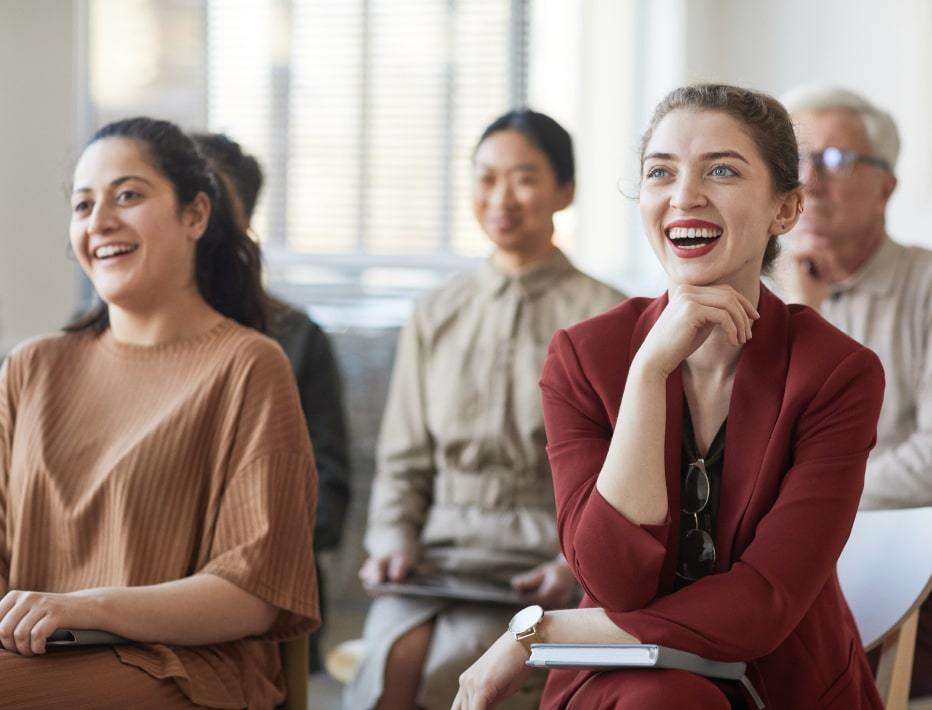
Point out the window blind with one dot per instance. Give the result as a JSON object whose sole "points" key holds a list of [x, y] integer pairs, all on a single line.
{"points": [[364, 114]]}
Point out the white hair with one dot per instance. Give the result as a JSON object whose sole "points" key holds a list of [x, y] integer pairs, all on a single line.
{"points": [[882, 134]]}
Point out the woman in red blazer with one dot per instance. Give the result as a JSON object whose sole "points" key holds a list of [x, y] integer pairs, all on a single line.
{"points": [[708, 447]]}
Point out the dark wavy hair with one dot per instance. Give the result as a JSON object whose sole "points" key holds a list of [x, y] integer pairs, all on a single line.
{"points": [[543, 132], [767, 122], [228, 263], [227, 157]]}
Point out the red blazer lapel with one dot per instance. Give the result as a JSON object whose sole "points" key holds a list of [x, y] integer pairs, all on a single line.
{"points": [[752, 415]]}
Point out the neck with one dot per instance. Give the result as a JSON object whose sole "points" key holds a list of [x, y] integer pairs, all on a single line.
{"points": [[714, 362], [169, 323], [513, 263]]}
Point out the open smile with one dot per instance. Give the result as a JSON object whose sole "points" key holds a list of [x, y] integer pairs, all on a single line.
{"points": [[111, 250], [692, 237]]}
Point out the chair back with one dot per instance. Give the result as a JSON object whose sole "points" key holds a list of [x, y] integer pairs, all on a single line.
{"points": [[294, 667], [885, 573]]}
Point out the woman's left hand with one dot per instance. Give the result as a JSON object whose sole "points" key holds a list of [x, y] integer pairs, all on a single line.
{"points": [[27, 619], [551, 584], [497, 675]]}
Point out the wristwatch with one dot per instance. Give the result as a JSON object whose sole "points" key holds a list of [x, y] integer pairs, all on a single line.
{"points": [[524, 625]]}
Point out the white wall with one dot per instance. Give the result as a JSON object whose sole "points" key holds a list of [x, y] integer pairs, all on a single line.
{"points": [[879, 48], [38, 281], [631, 51]]}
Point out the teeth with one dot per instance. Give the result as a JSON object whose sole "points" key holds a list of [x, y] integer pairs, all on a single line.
{"points": [[113, 250], [694, 233]]}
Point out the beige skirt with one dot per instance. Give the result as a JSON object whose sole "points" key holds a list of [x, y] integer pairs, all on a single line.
{"points": [[462, 632]]}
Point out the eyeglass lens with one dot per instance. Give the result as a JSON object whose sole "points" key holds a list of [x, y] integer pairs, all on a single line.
{"points": [[697, 549], [695, 494], [697, 554], [833, 159]]}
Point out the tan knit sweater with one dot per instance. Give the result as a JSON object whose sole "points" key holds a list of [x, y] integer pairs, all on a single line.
{"points": [[126, 465]]}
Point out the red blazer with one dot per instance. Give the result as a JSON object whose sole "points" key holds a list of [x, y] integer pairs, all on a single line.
{"points": [[801, 423]]}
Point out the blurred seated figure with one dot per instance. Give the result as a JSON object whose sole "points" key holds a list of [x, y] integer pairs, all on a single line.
{"points": [[315, 368], [842, 262], [462, 491]]}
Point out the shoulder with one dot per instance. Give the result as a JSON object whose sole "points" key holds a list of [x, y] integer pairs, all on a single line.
{"points": [[808, 330], [292, 322], [601, 347], [298, 335], [817, 350], [49, 350], [616, 325], [434, 308], [584, 289], [246, 349], [917, 255], [914, 263]]}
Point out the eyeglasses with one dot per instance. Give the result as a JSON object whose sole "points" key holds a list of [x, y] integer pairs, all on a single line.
{"points": [[836, 162], [697, 549]]}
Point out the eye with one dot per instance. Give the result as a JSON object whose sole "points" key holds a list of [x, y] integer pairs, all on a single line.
{"points": [[127, 195], [722, 171], [656, 173], [81, 206]]}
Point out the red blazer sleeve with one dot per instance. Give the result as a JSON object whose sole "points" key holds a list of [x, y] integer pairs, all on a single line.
{"points": [[594, 536]]}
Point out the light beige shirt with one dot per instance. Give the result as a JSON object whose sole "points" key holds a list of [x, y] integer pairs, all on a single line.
{"points": [[462, 473], [887, 306]]}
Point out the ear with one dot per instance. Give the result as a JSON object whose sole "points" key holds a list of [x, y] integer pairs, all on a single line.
{"points": [[888, 185], [196, 215], [789, 208], [565, 195]]}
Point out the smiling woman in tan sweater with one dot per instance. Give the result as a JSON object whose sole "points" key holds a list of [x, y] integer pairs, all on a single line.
{"points": [[156, 476]]}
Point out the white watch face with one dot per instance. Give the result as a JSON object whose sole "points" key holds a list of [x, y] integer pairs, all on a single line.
{"points": [[526, 619]]}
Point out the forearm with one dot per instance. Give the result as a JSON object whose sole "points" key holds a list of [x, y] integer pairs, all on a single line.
{"points": [[196, 610], [581, 626], [632, 477]]}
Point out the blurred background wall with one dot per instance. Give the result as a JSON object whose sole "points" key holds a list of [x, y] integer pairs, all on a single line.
{"points": [[598, 66]]}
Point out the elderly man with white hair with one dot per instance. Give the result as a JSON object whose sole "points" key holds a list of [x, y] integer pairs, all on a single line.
{"points": [[841, 261]]}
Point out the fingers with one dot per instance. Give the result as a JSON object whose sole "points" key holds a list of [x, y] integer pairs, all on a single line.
{"points": [[26, 621], [399, 565], [528, 581], [373, 571], [708, 307], [393, 568]]}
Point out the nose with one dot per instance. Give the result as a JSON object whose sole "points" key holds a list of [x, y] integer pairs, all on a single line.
{"points": [[102, 219], [501, 194], [687, 193]]}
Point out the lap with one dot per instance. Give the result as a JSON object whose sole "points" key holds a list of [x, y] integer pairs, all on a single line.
{"points": [[647, 690], [91, 679], [461, 633]]}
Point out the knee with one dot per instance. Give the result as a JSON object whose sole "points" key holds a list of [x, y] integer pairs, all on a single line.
{"points": [[408, 652]]}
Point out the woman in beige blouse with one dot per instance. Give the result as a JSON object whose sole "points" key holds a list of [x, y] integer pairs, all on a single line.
{"points": [[462, 488], [156, 476]]}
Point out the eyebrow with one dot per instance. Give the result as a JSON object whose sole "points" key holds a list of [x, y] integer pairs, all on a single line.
{"points": [[717, 155], [521, 167], [116, 183]]}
